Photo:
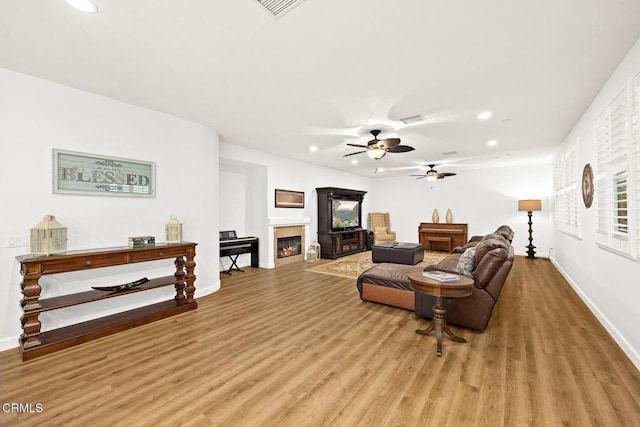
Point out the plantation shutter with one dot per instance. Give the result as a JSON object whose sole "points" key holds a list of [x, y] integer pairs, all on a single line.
{"points": [[612, 139], [566, 190]]}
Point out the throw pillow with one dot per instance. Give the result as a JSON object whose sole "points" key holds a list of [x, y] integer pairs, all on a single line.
{"points": [[382, 230], [466, 261]]}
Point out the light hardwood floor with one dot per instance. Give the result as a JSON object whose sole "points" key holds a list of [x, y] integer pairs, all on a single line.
{"points": [[290, 347]]}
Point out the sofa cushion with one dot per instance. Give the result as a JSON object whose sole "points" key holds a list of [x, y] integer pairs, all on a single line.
{"points": [[505, 231], [466, 261], [489, 265], [450, 261], [488, 244]]}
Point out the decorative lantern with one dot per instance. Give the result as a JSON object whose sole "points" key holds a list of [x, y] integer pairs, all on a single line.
{"points": [[173, 230], [49, 237], [312, 256], [316, 247]]}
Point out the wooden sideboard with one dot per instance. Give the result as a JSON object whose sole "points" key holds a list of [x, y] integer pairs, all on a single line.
{"points": [[442, 237], [34, 343], [340, 243]]}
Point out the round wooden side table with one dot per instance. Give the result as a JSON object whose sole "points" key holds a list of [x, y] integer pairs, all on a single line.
{"points": [[453, 289]]}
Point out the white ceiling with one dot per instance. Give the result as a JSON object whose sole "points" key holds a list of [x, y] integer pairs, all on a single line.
{"points": [[329, 71]]}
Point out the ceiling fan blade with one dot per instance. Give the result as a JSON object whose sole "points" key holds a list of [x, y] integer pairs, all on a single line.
{"points": [[419, 176], [357, 145], [351, 154], [400, 149], [388, 143], [443, 174]]}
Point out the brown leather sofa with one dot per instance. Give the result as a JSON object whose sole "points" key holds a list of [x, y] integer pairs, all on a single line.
{"points": [[493, 258]]}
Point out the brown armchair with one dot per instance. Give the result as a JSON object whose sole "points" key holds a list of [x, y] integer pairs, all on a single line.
{"points": [[379, 224]]}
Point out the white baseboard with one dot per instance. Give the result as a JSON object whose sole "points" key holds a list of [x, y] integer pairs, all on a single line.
{"points": [[538, 255], [631, 352], [206, 290], [9, 343]]}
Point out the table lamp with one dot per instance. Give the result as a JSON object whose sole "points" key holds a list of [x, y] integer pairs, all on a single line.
{"points": [[529, 206]]}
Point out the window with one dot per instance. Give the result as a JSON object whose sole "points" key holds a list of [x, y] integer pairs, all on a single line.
{"points": [[617, 172], [567, 174], [621, 219]]}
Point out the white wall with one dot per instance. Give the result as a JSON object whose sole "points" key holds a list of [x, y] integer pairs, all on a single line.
{"points": [[233, 206], [482, 198], [608, 283], [270, 172], [37, 116]]}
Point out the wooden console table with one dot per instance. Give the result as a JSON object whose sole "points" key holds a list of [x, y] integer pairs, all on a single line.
{"points": [[442, 237], [34, 343]]}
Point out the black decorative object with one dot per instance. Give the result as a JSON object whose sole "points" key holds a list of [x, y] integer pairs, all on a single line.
{"points": [[529, 206], [123, 287]]}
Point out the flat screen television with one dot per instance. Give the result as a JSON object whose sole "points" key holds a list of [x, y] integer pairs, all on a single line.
{"points": [[345, 214]]}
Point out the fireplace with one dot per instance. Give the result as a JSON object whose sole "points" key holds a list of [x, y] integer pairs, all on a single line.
{"points": [[288, 244]]}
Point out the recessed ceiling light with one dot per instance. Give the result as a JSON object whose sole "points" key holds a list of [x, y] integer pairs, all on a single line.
{"points": [[380, 169], [492, 142], [313, 148], [484, 115], [354, 162], [84, 5]]}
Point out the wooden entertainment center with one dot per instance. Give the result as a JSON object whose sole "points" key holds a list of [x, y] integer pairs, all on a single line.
{"points": [[34, 343], [335, 243]]}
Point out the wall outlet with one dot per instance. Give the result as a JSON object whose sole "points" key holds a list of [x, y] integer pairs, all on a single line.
{"points": [[18, 241]]}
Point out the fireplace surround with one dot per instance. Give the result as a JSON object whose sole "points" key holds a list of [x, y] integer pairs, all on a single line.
{"points": [[289, 244]]}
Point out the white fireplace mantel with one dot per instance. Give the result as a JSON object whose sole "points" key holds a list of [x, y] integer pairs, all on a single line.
{"points": [[276, 221]]}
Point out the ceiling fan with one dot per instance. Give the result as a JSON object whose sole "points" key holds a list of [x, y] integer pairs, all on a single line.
{"points": [[433, 174], [377, 148]]}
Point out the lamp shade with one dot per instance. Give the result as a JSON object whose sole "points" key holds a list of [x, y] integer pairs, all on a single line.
{"points": [[529, 205], [376, 153]]}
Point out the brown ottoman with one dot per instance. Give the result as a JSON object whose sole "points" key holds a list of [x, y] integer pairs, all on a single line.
{"points": [[398, 253]]}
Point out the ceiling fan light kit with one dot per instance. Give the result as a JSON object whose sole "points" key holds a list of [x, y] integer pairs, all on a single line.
{"points": [[432, 174], [378, 148], [376, 153]]}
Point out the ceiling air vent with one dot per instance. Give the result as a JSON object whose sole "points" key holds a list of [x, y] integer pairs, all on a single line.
{"points": [[279, 7], [413, 119]]}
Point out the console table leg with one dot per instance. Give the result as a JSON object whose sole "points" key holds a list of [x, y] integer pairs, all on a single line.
{"points": [[31, 331], [179, 263], [30, 305], [191, 277]]}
